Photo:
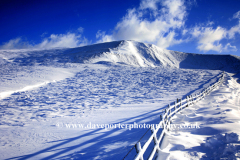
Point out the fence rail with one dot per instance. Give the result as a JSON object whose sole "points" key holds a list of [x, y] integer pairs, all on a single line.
{"points": [[167, 116]]}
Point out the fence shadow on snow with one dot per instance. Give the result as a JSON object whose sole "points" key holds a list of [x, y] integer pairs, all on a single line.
{"points": [[152, 145]]}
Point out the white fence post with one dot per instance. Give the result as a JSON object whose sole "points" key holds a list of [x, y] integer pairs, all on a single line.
{"points": [[139, 149]]}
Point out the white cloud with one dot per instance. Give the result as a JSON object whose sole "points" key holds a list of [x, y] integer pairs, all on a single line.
{"points": [[235, 29], [209, 38], [16, 43], [162, 31], [212, 35], [237, 15], [62, 40], [210, 46], [44, 34], [162, 22], [68, 40], [168, 40], [80, 29], [175, 9], [149, 4], [184, 31], [103, 37], [229, 47]]}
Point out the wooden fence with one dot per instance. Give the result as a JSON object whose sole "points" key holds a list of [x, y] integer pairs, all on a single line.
{"points": [[166, 117]]}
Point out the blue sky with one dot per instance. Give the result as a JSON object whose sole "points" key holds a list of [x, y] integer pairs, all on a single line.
{"points": [[195, 26]]}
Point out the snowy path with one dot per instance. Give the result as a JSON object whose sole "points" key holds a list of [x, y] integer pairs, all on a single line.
{"points": [[218, 116], [33, 123]]}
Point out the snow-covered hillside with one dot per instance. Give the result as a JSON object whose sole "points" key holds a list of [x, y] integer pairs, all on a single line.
{"points": [[123, 52], [47, 95], [218, 117]]}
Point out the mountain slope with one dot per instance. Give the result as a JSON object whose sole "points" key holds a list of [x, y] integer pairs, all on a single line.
{"points": [[45, 92], [137, 54], [123, 52], [228, 63]]}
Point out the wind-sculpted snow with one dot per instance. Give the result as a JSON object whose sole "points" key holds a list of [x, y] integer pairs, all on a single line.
{"points": [[100, 88], [114, 82], [99, 94]]}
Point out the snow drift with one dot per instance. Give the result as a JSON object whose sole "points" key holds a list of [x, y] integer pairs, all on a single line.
{"points": [[108, 83]]}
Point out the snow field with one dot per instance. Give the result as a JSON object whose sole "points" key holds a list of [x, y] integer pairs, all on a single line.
{"points": [[218, 137], [98, 94], [110, 83]]}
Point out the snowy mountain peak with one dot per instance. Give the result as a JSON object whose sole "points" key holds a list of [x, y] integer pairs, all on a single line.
{"points": [[123, 52], [148, 55], [136, 54]]}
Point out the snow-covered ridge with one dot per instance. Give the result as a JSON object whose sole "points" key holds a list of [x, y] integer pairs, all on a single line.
{"points": [[137, 54], [123, 52], [229, 63]]}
